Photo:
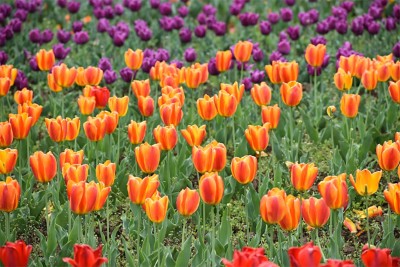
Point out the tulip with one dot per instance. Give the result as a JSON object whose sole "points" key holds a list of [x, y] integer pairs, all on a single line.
{"points": [[395, 71], [383, 71], [92, 76], [386, 58], [218, 156], [6, 134], [54, 87], [140, 189], [211, 188], [148, 157], [194, 135], [64, 76], [257, 137], [330, 110], [156, 210], [271, 115], [33, 110], [280, 72], [141, 88], [171, 114], [233, 89], [15, 254], [202, 158], [146, 105], [71, 157], [392, 196], [206, 108], [166, 136], [8, 159], [291, 93], [394, 91], [105, 173], [176, 96], [10, 192], [75, 172], [84, 255], [223, 60], [249, 257], [242, 51], [82, 196], [137, 132], [334, 191], [306, 255], [193, 77], [291, 219], [7, 71], [23, 96], [315, 212], [103, 192], [315, 55], [343, 80], [110, 120], [203, 69], [244, 169], [350, 225], [21, 125], [44, 166], [133, 59], [5, 84], [95, 129], [366, 183], [369, 79], [101, 94], [362, 65], [261, 94], [225, 103], [303, 175], [119, 105], [372, 257], [187, 202], [388, 155], [45, 59], [273, 206], [60, 129], [86, 104], [371, 212], [349, 105], [80, 76]]}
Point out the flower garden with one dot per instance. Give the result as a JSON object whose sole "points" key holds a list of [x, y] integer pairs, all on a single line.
{"points": [[199, 133]]}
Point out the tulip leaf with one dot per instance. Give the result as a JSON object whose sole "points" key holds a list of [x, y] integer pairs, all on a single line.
{"points": [[128, 254], [312, 132], [396, 249], [184, 255], [225, 231], [51, 238]]}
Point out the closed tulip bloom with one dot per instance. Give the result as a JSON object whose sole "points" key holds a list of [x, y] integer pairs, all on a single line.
{"points": [[194, 135], [75, 172], [34, 110], [394, 91], [315, 212], [349, 105], [395, 71], [6, 134], [363, 64], [45, 59], [348, 64], [233, 89], [148, 157], [140, 189], [244, 169], [146, 105], [5, 84], [82, 196], [57, 128], [203, 69], [288, 71], [92, 76], [141, 88], [110, 120], [166, 136], [218, 156], [385, 58], [21, 125], [303, 175], [193, 77], [95, 129], [257, 136], [372, 257], [8, 71], [156, 210], [223, 60], [137, 132], [187, 202], [44, 166], [291, 93], [271, 115], [8, 159], [133, 59], [23, 96], [171, 114], [52, 83], [306, 255], [388, 155], [211, 188], [106, 173], [64, 76], [392, 196], [261, 94], [397, 136], [176, 96], [15, 254], [273, 72], [315, 55], [225, 103], [343, 80], [103, 192], [101, 94], [80, 76], [334, 190], [273, 206], [10, 192], [366, 183], [206, 108], [383, 71], [119, 105], [242, 51], [202, 158], [84, 255], [86, 104], [369, 79], [291, 219]]}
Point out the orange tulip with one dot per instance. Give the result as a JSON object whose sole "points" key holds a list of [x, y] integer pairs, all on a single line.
{"points": [[133, 59], [101, 95], [171, 98], [119, 105], [86, 104], [140, 189], [71, 157], [343, 80], [291, 219], [171, 114], [257, 137], [372, 211], [261, 94], [223, 60], [5, 84], [60, 129], [141, 88], [202, 158], [85, 255], [34, 110], [233, 89], [82, 196], [366, 183], [244, 169], [225, 103], [397, 136], [105, 173], [288, 71], [273, 206], [6, 134], [103, 192], [350, 225], [146, 105], [156, 72], [315, 54], [348, 64], [363, 64], [156, 210], [271, 115], [369, 79], [44, 166], [386, 58], [170, 80], [334, 190], [373, 257], [330, 110], [75, 172], [10, 192], [218, 156], [23, 96], [8, 71], [92, 75], [166, 136], [273, 72], [211, 188], [80, 76], [194, 135], [388, 155], [64, 76], [291, 93], [383, 71], [315, 212], [148, 157], [95, 129], [45, 59], [193, 77], [187, 202], [303, 175], [242, 51], [349, 105], [395, 71], [394, 91], [110, 120], [8, 159], [206, 108], [21, 125], [203, 69], [392, 196], [137, 132]]}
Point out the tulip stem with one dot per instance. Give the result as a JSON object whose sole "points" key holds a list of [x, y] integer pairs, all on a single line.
{"points": [[62, 106], [158, 241], [108, 226], [213, 233], [241, 73], [204, 221], [46, 194], [270, 230], [319, 245], [183, 231], [366, 214], [7, 225], [247, 192], [139, 220], [291, 135], [20, 162], [118, 147], [233, 134], [315, 93]]}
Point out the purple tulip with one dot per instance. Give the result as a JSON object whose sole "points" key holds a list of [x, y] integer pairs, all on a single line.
{"points": [[396, 11], [162, 54], [147, 64], [265, 27], [273, 17], [185, 34], [178, 22], [154, 4], [219, 28], [108, 12], [348, 5], [81, 37], [63, 36], [21, 14], [119, 38], [62, 3], [103, 25], [314, 15], [35, 36], [77, 26], [33, 64], [16, 25], [314, 71], [318, 40], [202, 18], [293, 32], [276, 56], [375, 12], [8, 32], [235, 9], [177, 63], [395, 50], [60, 52], [248, 19], [357, 26], [165, 9], [326, 61], [284, 47], [21, 81], [200, 31], [73, 7], [390, 24], [257, 76], [135, 5], [247, 83], [5, 9], [209, 10], [126, 74], [3, 57], [283, 36], [104, 64], [96, 3], [290, 2], [212, 67], [373, 28], [190, 54], [341, 26], [107, 2], [183, 11], [110, 76], [286, 14], [118, 9], [258, 54], [339, 12]]}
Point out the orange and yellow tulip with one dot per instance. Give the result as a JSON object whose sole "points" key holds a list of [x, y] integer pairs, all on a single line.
{"points": [[8, 71], [291, 93], [105, 173], [10, 192], [273, 206], [34, 110], [92, 75], [45, 59], [156, 210], [60, 129], [110, 120], [350, 225], [140, 189], [203, 69], [71, 157], [315, 55], [146, 105], [273, 72], [343, 80], [291, 219], [261, 94], [303, 175], [211, 188], [8, 159], [5, 84], [133, 59], [148, 157], [369, 79], [366, 183], [137, 132], [206, 108], [95, 129], [141, 88], [383, 71], [103, 192], [225, 103], [218, 156], [271, 115], [171, 114], [349, 105], [119, 105], [288, 71], [166, 136], [6, 134], [193, 77], [244, 169], [21, 125], [392, 196], [233, 89], [334, 190], [223, 60], [315, 212], [82, 196], [395, 71], [187, 202], [372, 211], [257, 136], [388, 155], [194, 135], [394, 91], [75, 172], [64, 76], [44, 166], [242, 51], [363, 64], [23, 96], [101, 95], [385, 58], [86, 104], [202, 158]]}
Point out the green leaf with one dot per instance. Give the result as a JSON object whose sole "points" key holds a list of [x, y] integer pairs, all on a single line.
{"points": [[225, 231], [312, 132], [128, 254], [51, 239], [184, 255]]}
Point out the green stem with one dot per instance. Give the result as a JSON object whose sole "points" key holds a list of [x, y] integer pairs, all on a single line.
{"points": [[233, 133], [80, 234], [86, 229], [301, 218], [366, 214], [20, 162], [291, 134], [280, 246], [138, 235], [271, 239], [46, 194], [69, 220], [241, 73], [118, 147], [315, 93], [108, 226], [183, 231], [158, 244], [7, 225], [247, 216], [319, 244], [204, 221], [62, 106], [213, 233]]}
